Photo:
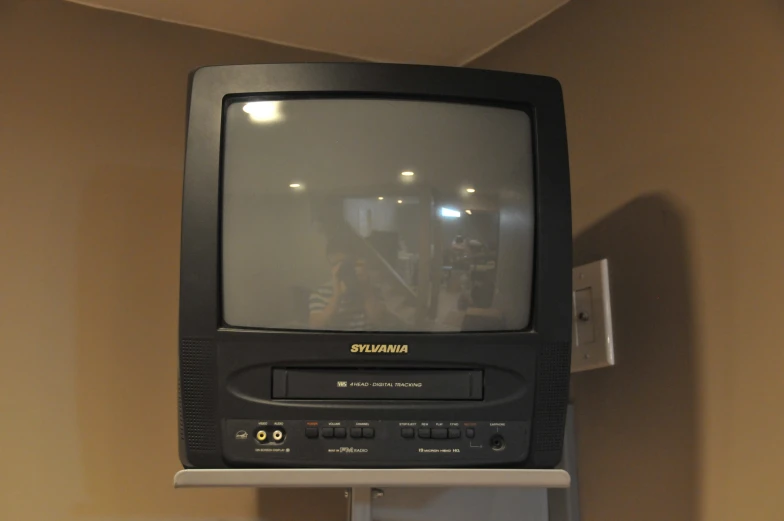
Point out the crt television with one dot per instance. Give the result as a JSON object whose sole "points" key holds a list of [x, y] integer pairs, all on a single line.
{"points": [[376, 268]]}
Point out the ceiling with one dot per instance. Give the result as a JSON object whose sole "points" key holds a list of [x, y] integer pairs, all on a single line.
{"points": [[437, 32]]}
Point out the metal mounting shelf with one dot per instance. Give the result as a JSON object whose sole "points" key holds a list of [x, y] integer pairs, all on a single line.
{"points": [[362, 478], [358, 482]]}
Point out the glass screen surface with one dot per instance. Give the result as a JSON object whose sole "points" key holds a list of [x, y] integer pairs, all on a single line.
{"points": [[376, 215]]}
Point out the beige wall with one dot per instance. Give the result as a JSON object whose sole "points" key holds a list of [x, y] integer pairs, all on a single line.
{"points": [[91, 148], [676, 119], [675, 123]]}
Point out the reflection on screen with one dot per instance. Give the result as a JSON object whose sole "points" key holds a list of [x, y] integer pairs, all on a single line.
{"points": [[377, 215]]}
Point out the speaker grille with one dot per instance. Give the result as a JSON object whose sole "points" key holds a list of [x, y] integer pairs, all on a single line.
{"points": [[179, 410], [552, 397], [198, 371]]}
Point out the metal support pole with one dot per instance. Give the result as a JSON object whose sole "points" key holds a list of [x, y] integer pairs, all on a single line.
{"points": [[360, 504]]}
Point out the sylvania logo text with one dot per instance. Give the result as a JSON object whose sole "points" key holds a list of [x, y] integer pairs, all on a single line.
{"points": [[397, 349]]}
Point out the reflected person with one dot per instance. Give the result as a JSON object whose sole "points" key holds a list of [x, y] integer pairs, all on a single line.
{"points": [[348, 302]]}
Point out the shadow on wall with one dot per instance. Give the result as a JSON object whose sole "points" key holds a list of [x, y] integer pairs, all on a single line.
{"points": [[637, 422], [126, 363]]}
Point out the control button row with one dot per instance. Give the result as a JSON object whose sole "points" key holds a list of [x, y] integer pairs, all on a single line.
{"points": [[340, 432], [437, 433]]}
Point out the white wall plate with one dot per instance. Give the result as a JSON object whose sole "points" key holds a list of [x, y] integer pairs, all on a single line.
{"points": [[592, 337]]}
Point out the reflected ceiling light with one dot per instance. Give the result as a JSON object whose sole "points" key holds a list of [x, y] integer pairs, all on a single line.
{"points": [[468, 212], [400, 201], [295, 185], [263, 111], [380, 198], [470, 190], [449, 213], [407, 173]]}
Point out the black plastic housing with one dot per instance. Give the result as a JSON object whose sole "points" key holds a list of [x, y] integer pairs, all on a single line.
{"points": [[526, 373]]}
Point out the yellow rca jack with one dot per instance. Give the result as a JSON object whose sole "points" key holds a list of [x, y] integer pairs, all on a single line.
{"points": [[278, 435], [261, 435]]}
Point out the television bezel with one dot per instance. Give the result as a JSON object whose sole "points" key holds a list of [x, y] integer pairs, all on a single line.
{"points": [[213, 88]]}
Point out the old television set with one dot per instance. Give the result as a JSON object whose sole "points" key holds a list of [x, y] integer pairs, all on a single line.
{"points": [[375, 268]]}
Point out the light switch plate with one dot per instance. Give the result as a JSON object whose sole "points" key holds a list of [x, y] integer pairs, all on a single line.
{"points": [[592, 337]]}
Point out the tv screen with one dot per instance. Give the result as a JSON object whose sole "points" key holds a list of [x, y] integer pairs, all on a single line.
{"points": [[376, 215]]}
